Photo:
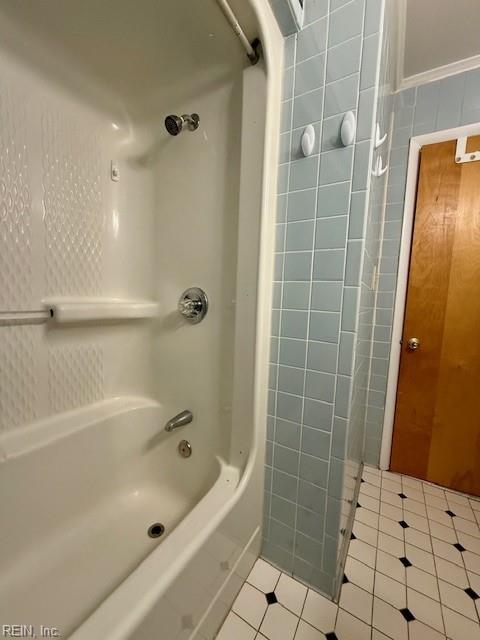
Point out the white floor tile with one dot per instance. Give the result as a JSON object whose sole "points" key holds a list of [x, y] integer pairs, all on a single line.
{"points": [[390, 566], [370, 503], [469, 542], [291, 594], [234, 628], [441, 532], [391, 498], [412, 482], [390, 590], [350, 628], [423, 582], [367, 517], [425, 609], [359, 573], [307, 632], [263, 576], [463, 512], [319, 612], [391, 527], [474, 581], [472, 561], [420, 631], [391, 545], [389, 620], [457, 498], [392, 477], [437, 515], [371, 478], [415, 507], [420, 558], [416, 522], [433, 490], [357, 601], [363, 552], [365, 533], [393, 513], [367, 489], [418, 539], [466, 526], [393, 486], [436, 501], [452, 573], [250, 605], [378, 635], [456, 599], [414, 494], [447, 551], [460, 628], [279, 623]]}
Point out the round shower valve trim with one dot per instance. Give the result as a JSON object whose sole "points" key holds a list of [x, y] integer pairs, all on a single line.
{"points": [[193, 305]]}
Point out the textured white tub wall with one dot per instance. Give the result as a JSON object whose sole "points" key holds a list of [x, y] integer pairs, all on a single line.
{"points": [[65, 228]]}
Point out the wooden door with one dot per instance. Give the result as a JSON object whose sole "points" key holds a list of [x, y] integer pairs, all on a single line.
{"points": [[437, 418]]}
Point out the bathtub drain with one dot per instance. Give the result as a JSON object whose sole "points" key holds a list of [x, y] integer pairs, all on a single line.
{"points": [[156, 530]]}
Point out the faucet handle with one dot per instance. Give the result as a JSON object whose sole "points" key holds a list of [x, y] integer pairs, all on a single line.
{"points": [[193, 304]]}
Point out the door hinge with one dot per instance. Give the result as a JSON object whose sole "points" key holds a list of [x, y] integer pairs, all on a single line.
{"points": [[461, 154]]}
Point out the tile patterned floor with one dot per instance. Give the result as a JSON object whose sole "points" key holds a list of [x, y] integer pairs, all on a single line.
{"points": [[412, 573]]}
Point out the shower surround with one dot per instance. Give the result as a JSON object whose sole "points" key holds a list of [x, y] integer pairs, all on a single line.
{"points": [[105, 219]]}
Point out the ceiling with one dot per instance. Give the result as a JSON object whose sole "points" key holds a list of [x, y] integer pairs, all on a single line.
{"points": [[440, 32]]}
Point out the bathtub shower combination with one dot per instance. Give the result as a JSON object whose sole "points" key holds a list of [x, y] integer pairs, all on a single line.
{"points": [[138, 146]]}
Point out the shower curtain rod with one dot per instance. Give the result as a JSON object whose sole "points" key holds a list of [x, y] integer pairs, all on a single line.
{"points": [[251, 49]]}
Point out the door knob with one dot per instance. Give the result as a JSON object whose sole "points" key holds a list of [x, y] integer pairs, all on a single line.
{"points": [[413, 344]]}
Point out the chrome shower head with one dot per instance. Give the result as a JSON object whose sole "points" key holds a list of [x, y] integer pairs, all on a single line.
{"points": [[174, 124]]}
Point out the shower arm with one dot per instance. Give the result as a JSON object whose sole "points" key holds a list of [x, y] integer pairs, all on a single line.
{"points": [[251, 49]]}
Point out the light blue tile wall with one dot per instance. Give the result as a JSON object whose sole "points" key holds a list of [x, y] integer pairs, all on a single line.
{"points": [[439, 105], [331, 67]]}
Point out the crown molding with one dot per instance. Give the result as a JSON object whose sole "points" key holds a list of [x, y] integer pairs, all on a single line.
{"points": [[452, 69]]}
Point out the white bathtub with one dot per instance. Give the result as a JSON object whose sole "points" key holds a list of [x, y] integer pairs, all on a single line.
{"points": [[78, 532]]}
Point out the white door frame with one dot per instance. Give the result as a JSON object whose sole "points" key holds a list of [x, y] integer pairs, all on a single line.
{"points": [[416, 144]]}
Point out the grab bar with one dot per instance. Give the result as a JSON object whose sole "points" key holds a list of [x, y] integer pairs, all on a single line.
{"points": [[180, 420]]}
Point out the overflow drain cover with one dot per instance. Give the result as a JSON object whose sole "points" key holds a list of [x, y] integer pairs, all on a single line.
{"points": [[156, 530]]}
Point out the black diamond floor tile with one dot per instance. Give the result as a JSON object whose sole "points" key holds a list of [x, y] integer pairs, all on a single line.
{"points": [[331, 636], [407, 614], [473, 594], [450, 513], [402, 496], [406, 562], [271, 597], [459, 547], [403, 524], [345, 580], [353, 536]]}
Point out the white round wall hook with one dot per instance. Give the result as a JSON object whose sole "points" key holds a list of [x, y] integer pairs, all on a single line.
{"points": [[308, 140], [348, 129]]}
